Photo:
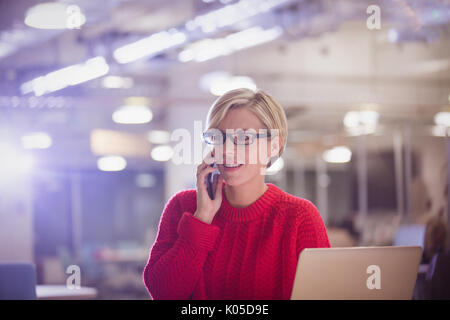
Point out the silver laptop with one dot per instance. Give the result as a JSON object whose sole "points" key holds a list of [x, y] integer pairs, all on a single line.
{"points": [[361, 273]]}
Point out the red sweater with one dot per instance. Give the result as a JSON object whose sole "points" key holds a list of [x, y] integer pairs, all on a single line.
{"points": [[245, 253]]}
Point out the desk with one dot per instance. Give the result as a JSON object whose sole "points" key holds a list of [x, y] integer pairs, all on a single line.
{"points": [[60, 292]]}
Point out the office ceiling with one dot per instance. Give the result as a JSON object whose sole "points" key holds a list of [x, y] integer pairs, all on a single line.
{"points": [[325, 63]]}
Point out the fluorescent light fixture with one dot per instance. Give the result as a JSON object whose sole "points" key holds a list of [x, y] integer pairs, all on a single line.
{"points": [[339, 154], [116, 82], [149, 46], [145, 180], [159, 136], [231, 14], [36, 140], [276, 166], [111, 163], [207, 49], [162, 153], [132, 115], [55, 15], [442, 118], [69, 76]]}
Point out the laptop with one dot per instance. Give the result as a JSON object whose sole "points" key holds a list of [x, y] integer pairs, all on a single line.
{"points": [[357, 273]]}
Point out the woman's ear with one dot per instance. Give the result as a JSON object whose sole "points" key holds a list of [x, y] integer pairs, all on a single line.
{"points": [[275, 144]]}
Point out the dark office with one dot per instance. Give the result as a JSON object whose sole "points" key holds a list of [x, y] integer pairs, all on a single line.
{"points": [[224, 150]]}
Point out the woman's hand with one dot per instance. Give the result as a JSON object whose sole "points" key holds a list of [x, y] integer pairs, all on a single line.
{"points": [[207, 208]]}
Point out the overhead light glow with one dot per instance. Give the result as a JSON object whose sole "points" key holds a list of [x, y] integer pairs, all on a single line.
{"points": [[361, 122], [132, 115], [358, 118], [162, 153], [231, 14], [55, 15], [159, 136], [207, 49], [149, 46], [13, 162], [69, 76], [116, 82], [111, 163], [442, 118], [36, 140], [339, 154], [439, 131]]}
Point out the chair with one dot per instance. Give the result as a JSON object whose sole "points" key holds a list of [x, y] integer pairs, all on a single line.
{"points": [[437, 285], [17, 281]]}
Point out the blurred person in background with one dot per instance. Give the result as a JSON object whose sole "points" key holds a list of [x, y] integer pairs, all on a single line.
{"points": [[245, 243], [435, 236]]}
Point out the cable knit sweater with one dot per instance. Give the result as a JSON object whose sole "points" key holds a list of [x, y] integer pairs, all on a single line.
{"points": [[245, 253]]}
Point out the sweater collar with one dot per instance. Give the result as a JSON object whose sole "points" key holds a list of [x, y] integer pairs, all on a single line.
{"points": [[256, 209]]}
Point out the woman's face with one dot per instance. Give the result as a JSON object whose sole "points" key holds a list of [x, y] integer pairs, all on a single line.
{"points": [[252, 162]]}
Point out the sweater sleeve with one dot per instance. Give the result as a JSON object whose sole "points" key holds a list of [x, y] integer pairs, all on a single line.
{"points": [[311, 232], [178, 254]]}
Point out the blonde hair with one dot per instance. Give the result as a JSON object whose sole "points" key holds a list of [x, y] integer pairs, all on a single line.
{"points": [[259, 102]]}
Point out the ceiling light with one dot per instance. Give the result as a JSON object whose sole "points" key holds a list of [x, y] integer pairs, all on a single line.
{"points": [[231, 14], [360, 118], [111, 163], [36, 140], [149, 46], [162, 153], [207, 49], [339, 154], [115, 82], [69, 76], [442, 118], [132, 115], [55, 15]]}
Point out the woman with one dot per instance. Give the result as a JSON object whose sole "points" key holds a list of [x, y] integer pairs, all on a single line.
{"points": [[245, 243]]}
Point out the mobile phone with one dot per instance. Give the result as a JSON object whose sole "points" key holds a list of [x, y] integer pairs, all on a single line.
{"points": [[211, 186]]}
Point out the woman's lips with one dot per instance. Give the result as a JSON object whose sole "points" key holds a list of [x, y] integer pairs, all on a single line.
{"points": [[231, 169]]}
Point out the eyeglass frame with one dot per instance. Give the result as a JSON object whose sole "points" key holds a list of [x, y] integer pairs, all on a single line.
{"points": [[226, 135]]}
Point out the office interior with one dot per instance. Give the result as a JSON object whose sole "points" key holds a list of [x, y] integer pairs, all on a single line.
{"points": [[91, 92]]}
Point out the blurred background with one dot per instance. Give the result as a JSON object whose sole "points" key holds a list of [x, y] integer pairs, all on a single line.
{"points": [[90, 92]]}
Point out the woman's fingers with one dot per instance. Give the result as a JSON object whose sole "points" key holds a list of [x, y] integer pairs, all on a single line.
{"points": [[219, 186], [202, 174], [204, 164]]}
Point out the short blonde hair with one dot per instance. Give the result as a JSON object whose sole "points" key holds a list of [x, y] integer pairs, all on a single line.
{"points": [[259, 102]]}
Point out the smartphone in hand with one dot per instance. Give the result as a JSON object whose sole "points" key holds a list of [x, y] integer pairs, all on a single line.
{"points": [[211, 185]]}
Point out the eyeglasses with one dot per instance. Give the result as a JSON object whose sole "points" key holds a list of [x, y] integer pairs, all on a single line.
{"points": [[239, 137]]}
